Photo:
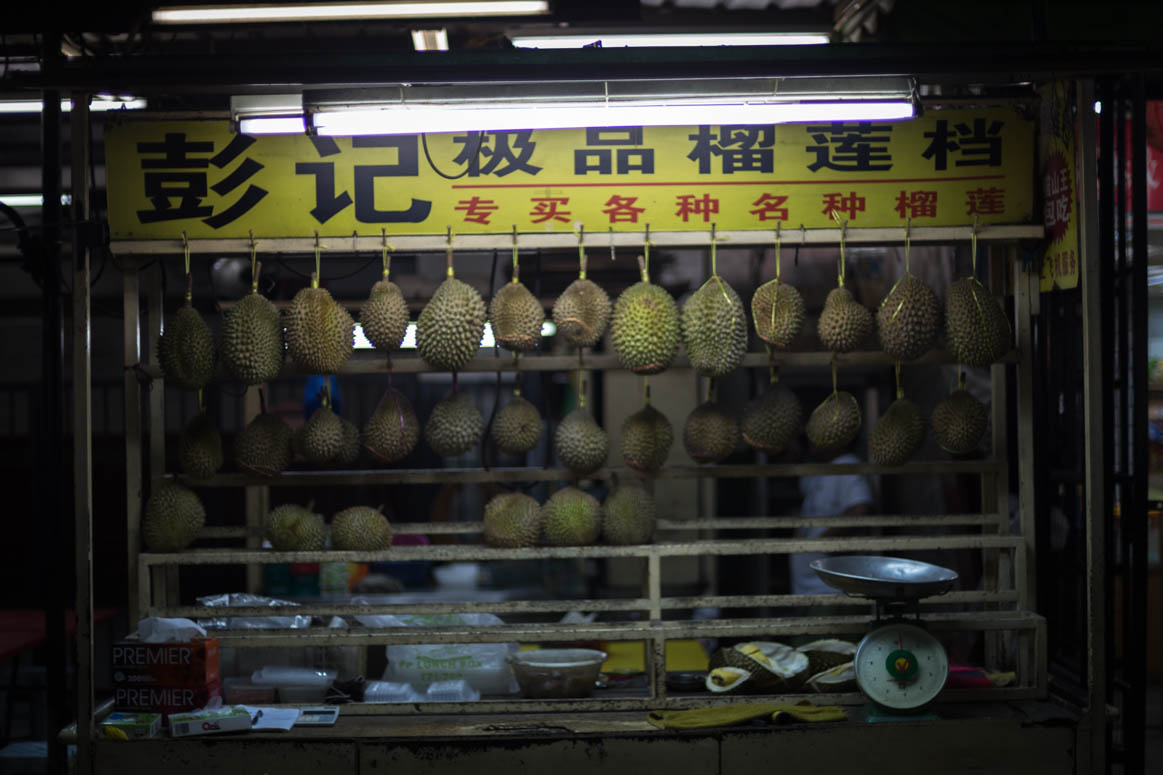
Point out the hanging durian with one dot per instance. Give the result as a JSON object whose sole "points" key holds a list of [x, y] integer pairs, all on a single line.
{"points": [[320, 331], [899, 433], [845, 324], [264, 445], [773, 419], [582, 312], [580, 443], [449, 329], [646, 438], [252, 335], [517, 427], [645, 331], [836, 421], [393, 429], [455, 425], [714, 325], [711, 433], [959, 422], [515, 314], [909, 318], [186, 348], [384, 316], [777, 309], [200, 448]]}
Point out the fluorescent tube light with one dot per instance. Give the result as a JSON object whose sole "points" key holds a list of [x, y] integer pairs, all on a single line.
{"points": [[660, 39], [96, 105], [272, 125], [413, 120], [387, 9], [548, 328], [430, 40], [30, 200]]}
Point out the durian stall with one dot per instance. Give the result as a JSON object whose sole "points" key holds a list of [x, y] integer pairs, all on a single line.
{"points": [[638, 342]]}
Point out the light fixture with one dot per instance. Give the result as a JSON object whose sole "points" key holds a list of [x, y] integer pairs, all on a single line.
{"points": [[430, 40], [30, 200], [97, 104], [515, 106], [575, 38], [322, 11], [268, 114], [548, 328]]}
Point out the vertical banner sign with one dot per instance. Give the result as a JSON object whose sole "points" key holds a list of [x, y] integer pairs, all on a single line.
{"points": [[943, 169], [1059, 188]]}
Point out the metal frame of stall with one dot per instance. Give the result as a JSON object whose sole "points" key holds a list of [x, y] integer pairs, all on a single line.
{"points": [[151, 575]]}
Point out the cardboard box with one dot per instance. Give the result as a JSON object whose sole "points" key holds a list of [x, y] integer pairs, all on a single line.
{"points": [[209, 722], [193, 664], [166, 700], [121, 726]]}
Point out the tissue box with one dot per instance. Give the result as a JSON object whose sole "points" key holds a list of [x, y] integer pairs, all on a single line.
{"points": [[193, 664], [167, 700], [132, 725], [209, 722]]}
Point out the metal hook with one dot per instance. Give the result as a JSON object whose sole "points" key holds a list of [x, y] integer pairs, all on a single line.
{"points": [[613, 256], [712, 233], [448, 234], [581, 233], [251, 239], [514, 235], [185, 241]]}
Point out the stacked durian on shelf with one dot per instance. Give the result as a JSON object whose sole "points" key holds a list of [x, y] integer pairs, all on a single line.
{"points": [[646, 329]]}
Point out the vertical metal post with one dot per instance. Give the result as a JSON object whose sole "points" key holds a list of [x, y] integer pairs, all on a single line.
{"points": [[82, 433], [55, 592], [656, 645], [155, 318], [256, 500], [1095, 399], [1026, 297], [131, 313], [1135, 517]]}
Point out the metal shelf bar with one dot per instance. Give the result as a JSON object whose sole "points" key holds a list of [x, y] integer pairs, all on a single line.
{"points": [[389, 476], [567, 239], [444, 553], [377, 363]]}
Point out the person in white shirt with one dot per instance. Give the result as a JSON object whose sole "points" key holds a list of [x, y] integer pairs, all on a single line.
{"points": [[826, 496]]}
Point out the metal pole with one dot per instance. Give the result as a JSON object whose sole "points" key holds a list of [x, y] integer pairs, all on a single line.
{"points": [[82, 433], [54, 590], [1096, 394], [134, 488]]}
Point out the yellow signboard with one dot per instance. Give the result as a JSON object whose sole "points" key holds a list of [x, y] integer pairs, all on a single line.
{"points": [[1059, 190], [166, 177]]}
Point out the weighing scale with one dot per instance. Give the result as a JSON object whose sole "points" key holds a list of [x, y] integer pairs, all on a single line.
{"points": [[899, 665]]}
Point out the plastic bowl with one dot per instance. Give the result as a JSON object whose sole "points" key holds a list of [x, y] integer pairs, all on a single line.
{"points": [[556, 673]]}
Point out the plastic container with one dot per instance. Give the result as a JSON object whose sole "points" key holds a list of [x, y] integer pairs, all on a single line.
{"points": [[293, 676], [302, 695], [390, 691], [451, 691], [240, 690], [555, 673]]}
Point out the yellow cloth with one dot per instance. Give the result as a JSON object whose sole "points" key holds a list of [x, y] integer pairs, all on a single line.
{"points": [[728, 715]]}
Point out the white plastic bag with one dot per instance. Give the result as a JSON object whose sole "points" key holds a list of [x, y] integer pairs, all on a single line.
{"points": [[484, 666]]}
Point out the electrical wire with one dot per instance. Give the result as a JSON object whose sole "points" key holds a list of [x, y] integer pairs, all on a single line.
{"points": [[282, 263], [468, 167]]}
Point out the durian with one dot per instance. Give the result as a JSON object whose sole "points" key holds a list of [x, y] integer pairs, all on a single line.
{"points": [[628, 515], [827, 653], [186, 349], [897, 435], [455, 425], [517, 427], [512, 520], [200, 448], [295, 528], [845, 324], [252, 340], [728, 680], [320, 332], [384, 316], [909, 319], [392, 431], [773, 667], [977, 331], [646, 439], [516, 317], [582, 313], [571, 518], [773, 419], [841, 678], [449, 329], [645, 330], [264, 445], [714, 328], [321, 438], [777, 310], [711, 433], [580, 444], [959, 423], [173, 516], [360, 529], [835, 422], [348, 445]]}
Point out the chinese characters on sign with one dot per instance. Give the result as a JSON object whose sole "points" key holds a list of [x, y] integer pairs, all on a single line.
{"points": [[945, 168]]}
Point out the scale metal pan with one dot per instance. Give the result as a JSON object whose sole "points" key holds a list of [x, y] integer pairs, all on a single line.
{"points": [[884, 578]]}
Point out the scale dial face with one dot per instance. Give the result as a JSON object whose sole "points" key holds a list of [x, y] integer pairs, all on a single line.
{"points": [[901, 666]]}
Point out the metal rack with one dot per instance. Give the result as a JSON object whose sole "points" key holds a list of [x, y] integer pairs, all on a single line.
{"points": [[1003, 606]]}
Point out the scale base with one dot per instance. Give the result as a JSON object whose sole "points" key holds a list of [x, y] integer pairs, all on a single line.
{"points": [[873, 714]]}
